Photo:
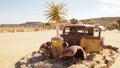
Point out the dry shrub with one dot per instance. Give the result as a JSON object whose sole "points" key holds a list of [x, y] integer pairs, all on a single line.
{"points": [[20, 29], [36, 29], [1, 30], [11, 30]]}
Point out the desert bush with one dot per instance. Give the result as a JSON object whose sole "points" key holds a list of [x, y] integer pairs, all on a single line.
{"points": [[36, 29], [1, 30], [11, 30], [20, 29], [74, 21]]}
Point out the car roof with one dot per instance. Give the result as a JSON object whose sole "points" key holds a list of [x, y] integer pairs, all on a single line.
{"points": [[79, 25]]}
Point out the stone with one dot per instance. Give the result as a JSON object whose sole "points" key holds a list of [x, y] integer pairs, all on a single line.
{"points": [[23, 66], [98, 59], [87, 63], [99, 66], [103, 66], [109, 61], [78, 66], [23, 61], [105, 52]]}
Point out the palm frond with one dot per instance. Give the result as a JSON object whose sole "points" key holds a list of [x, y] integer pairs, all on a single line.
{"points": [[55, 12]]}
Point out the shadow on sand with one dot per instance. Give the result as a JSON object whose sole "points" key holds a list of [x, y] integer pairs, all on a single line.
{"points": [[30, 60], [40, 61]]}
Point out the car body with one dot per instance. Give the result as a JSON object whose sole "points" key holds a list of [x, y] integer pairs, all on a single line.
{"points": [[84, 36]]}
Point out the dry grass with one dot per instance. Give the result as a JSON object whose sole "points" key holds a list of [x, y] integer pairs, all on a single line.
{"points": [[20, 29]]}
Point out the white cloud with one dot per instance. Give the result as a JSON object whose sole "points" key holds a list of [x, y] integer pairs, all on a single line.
{"points": [[109, 6], [114, 2], [109, 9]]}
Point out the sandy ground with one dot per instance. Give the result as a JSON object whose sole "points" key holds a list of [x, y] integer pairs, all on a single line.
{"points": [[113, 38], [13, 46]]}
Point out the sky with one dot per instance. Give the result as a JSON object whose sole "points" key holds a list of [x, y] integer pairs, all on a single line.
{"points": [[21, 11]]}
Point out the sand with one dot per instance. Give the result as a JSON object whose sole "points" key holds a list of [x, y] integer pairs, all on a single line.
{"points": [[113, 38], [13, 46]]}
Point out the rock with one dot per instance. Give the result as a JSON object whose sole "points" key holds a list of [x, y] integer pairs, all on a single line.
{"points": [[100, 66], [99, 59], [113, 52], [34, 52], [108, 47], [105, 52], [23, 66], [42, 65], [30, 66], [57, 66], [78, 66], [103, 66], [109, 61], [115, 49], [87, 63], [23, 61], [113, 57], [28, 56]]}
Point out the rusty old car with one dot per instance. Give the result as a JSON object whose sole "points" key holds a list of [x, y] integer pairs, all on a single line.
{"points": [[85, 36]]}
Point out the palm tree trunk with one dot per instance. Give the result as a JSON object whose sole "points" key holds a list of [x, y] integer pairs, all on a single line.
{"points": [[57, 29]]}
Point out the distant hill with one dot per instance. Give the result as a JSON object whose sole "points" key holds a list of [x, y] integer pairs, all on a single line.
{"points": [[40, 24], [31, 24], [101, 20]]}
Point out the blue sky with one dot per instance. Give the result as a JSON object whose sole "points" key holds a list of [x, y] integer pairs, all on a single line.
{"points": [[21, 11]]}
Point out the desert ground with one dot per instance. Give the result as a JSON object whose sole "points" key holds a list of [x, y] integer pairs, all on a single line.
{"points": [[13, 46]]}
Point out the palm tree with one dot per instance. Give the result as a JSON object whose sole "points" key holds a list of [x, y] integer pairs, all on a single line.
{"points": [[55, 13]]}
